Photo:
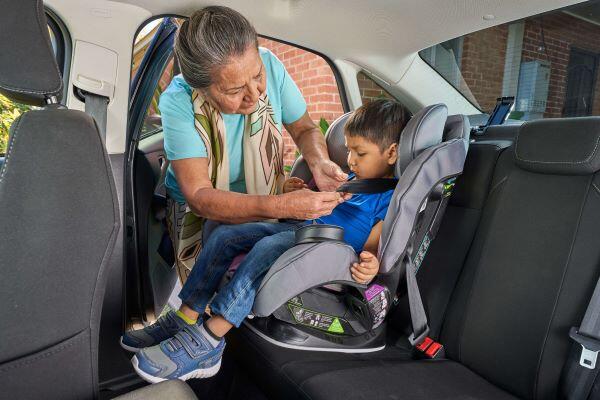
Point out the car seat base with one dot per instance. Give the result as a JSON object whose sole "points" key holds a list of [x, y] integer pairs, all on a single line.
{"points": [[287, 335]]}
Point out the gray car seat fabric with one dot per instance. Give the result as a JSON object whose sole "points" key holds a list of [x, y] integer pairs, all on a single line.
{"points": [[336, 147], [167, 390], [307, 266], [25, 36]]}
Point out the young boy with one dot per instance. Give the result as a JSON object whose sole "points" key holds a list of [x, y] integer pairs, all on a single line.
{"points": [[180, 345]]}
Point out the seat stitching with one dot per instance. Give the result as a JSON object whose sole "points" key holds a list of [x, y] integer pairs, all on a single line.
{"points": [[46, 354], [596, 187], [497, 185], [13, 139], [475, 279], [586, 160], [562, 280]]}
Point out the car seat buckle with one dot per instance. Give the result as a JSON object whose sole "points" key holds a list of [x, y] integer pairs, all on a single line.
{"points": [[589, 348], [430, 348]]}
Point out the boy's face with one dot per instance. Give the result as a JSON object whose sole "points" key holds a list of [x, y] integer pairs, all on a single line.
{"points": [[367, 160]]}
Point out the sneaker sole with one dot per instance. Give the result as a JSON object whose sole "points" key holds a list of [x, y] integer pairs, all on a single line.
{"points": [[198, 373], [128, 348]]}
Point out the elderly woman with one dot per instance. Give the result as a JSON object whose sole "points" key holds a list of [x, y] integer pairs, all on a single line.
{"points": [[222, 120]]}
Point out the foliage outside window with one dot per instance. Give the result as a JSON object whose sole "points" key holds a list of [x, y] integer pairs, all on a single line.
{"points": [[9, 112]]}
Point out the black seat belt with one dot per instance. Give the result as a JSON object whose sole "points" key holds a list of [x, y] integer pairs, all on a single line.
{"points": [[96, 105], [582, 367], [373, 185]]}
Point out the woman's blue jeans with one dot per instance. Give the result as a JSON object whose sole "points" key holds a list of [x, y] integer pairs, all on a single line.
{"points": [[264, 242]]}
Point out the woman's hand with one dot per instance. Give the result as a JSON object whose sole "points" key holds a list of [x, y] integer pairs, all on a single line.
{"points": [[292, 184], [365, 271], [328, 175], [305, 204]]}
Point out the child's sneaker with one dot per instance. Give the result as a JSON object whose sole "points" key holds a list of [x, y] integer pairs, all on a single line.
{"points": [[163, 328], [188, 354]]}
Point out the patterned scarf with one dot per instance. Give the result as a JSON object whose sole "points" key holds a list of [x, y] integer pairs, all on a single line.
{"points": [[263, 170]]}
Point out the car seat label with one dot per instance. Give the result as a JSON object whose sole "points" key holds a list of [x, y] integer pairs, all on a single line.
{"points": [[377, 301], [314, 319], [422, 251]]}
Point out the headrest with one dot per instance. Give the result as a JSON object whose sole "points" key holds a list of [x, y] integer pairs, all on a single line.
{"points": [[336, 142], [425, 129], [28, 69], [564, 146], [457, 126]]}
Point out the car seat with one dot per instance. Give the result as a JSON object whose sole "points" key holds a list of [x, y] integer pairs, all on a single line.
{"points": [[296, 305]]}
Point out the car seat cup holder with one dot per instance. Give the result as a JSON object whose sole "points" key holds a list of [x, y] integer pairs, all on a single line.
{"points": [[308, 299]]}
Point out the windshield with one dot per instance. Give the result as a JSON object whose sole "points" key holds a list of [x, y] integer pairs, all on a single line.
{"points": [[548, 63]]}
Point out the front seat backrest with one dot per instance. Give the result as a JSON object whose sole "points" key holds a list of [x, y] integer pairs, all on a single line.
{"points": [[59, 222]]}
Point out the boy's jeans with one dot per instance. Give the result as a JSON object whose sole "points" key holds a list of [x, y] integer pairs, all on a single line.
{"points": [[263, 241]]}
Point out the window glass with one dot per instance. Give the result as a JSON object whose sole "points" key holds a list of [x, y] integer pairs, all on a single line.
{"points": [[318, 85], [10, 110], [311, 73], [549, 63], [370, 90]]}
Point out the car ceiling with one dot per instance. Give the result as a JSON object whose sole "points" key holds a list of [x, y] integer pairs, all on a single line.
{"points": [[379, 35]]}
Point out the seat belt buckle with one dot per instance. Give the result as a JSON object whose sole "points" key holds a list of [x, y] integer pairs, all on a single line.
{"points": [[589, 348], [430, 348]]}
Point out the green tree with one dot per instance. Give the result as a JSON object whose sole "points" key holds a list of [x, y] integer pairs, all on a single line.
{"points": [[9, 111]]}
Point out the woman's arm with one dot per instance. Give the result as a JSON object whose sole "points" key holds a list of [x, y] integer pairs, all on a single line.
{"points": [[231, 207], [309, 139]]}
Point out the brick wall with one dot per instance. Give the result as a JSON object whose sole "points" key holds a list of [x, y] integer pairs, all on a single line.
{"points": [[561, 33], [482, 64], [369, 90], [315, 80], [484, 53]]}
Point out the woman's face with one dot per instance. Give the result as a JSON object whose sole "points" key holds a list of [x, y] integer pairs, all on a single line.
{"points": [[237, 85]]}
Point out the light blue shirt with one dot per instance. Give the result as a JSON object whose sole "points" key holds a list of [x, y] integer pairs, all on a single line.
{"points": [[183, 141]]}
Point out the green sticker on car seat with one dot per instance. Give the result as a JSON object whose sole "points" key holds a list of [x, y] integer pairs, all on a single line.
{"points": [[315, 319], [336, 327]]}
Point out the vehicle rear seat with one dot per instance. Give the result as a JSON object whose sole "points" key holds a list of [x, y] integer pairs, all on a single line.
{"points": [[527, 277], [279, 368]]}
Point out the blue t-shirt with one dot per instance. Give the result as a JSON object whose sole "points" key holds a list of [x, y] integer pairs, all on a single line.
{"points": [[183, 141], [358, 216]]}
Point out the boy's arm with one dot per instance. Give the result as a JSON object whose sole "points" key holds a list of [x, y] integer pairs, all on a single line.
{"points": [[365, 271], [372, 243]]}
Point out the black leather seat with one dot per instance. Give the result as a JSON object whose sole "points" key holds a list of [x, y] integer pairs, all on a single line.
{"points": [[526, 279]]}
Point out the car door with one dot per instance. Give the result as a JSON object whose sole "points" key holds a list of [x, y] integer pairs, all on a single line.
{"points": [[150, 275]]}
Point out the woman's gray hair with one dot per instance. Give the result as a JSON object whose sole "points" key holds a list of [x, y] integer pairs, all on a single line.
{"points": [[208, 39]]}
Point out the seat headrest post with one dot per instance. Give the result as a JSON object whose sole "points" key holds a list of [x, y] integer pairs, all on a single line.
{"points": [[425, 129], [28, 69]]}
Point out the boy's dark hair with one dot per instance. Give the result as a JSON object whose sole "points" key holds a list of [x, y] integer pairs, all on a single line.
{"points": [[380, 121]]}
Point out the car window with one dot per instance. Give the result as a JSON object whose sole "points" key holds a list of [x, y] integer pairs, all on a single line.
{"points": [[311, 72], [549, 63], [10, 110], [316, 80], [369, 89]]}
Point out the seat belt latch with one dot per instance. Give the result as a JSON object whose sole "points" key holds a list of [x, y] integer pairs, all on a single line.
{"points": [[589, 348], [430, 348]]}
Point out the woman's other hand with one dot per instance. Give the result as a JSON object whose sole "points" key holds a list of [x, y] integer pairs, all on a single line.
{"points": [[292, 184], [328, 175], [365, 271], [305, 204]]}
